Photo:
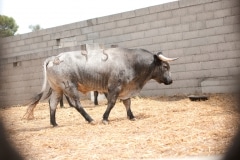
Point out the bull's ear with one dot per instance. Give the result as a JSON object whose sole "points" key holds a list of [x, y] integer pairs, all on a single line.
{"points": [[157, 60]]}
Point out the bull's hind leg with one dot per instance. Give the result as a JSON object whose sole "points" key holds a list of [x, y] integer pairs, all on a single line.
{"points": [[53, 102], [73, 94], [127, 104]]}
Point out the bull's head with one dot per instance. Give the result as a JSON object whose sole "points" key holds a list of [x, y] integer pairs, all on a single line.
{"points": [[162, 74]]}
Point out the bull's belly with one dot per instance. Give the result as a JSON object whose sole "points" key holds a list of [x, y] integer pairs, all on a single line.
{"points": [[125, 94], [90, 87]]}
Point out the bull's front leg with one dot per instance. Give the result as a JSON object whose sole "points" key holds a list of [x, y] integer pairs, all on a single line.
{"points": [[127, 104], [80, 109], [112, 98]]}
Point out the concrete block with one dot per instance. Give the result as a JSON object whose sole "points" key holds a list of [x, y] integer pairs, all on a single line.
{"points": [[185, 3], [55, 35], [207, 32], [220, 89], [144, 41], [151, 33], [222, 13], [193, 66], [123, 23], [210, 65], [106, 33], [208, 48], [217, 55], [232, 37], [214, 23], [158, 24], [175, 53], [228, 46], [137, 35], [142, 11], [183, 44], [92, 35], [86, 30], [173, 21], [46, 37], [215, 39], [188, 19], [136, 20], [175, 37], [150, 18], [195, 9], [97, 28], [198, 42], [220, 85], [129, 14], [155, 9], [90, 22], [178, 68], [130, 29], [179, 12], [234, 71], [102, 20], [20, 43], [213, 6], [115, 17], [25, 36], [221, 72], [227, 63], [190, 35], [165, 30], [51, 43], [200, 58], [232, 54], [110, 25], [164, 15], [75, 32], [181, 28], [167, 46], [230, 3], [170, 6], [81, 38], [231, 20], [142, 27], [117, 31], [125, 37], [37, 39], [236, 10], [159, 39], [205, 16], [192, 51]]}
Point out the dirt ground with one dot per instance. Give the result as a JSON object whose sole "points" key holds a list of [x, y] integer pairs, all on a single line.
{"points": [[165, 127]]}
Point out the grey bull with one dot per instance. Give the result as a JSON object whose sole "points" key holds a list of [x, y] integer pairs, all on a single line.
{"points": [[120, 72]]}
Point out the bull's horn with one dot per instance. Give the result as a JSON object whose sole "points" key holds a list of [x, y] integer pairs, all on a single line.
{"points": [[166, 59]]}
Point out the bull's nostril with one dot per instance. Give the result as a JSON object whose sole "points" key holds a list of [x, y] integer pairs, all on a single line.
{"points": [[167, 82]]}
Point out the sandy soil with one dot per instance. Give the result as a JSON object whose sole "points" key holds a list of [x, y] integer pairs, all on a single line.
{"points": [[165, 127]]}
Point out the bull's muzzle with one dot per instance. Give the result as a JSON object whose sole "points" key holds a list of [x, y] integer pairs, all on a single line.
{"points": [[168, 81]]}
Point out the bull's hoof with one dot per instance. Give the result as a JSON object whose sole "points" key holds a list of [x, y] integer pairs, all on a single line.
{"points": [[105, 122], [93, 122], [133, 119], [54, 125]]}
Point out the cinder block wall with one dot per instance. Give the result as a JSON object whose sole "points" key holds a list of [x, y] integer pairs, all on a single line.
{"points": [[205, 35]]}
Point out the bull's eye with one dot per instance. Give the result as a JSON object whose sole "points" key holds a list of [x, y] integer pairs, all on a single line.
{"points": [[165, 67]]}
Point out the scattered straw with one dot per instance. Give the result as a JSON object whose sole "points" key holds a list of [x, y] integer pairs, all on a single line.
{"points": [[165, 127]]}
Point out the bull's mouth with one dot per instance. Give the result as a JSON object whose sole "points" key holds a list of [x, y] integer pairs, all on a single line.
{"points": [[167, 81]]}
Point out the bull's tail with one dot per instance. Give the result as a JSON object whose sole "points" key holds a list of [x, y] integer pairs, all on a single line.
{"points": [[35, 100]]}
